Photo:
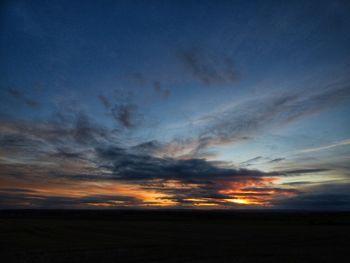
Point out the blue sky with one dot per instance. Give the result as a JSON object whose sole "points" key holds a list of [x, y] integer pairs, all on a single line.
{"points": [[129, 103]]}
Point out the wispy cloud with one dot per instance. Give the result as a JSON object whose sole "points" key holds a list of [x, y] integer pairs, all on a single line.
{"points": [[277, 160], [252, 117], [207, 68], [325, 147], [122, 109], [160, 90], [251, 161], [125, 114], [105, 101], [22, 98]]}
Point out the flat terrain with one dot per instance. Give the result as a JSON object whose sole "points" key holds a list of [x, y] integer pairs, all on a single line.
{"points": [[173, 236]]}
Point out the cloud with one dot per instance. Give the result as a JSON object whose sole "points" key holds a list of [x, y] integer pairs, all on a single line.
{"points": [[62, 155], [176, 182], [326, 147], [243, 121], [147, 148], [126, 115], [123, 110], [104, 100], [130, 166], [304, 171], [12, 141], [207, 68], [71, 148], [161, 91], [21, 98], [277, 160], [251, 161], [24, 198], [322, 197], [84, 131], [16, 190], [137, 77], [238, 192], [70, 130], [254, 116]]}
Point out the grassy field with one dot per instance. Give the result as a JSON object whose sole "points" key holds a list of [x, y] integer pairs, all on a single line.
{"points": [[173, 236]]}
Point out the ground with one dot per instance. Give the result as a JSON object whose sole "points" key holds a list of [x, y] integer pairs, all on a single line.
{"points": [[173, 236]]}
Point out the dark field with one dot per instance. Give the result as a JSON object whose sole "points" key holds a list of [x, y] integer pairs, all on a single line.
{"points": [[173, 236]]}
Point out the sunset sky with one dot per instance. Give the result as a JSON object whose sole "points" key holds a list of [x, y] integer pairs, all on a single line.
{"points": [[176, 104]]}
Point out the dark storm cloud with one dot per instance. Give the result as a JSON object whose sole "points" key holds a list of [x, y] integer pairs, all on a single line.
{"points": [[130, 166], [133, 164], [136, 164], [208, 68]]}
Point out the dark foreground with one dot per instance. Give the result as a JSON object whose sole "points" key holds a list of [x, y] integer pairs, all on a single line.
{"points": [[173, 236]]}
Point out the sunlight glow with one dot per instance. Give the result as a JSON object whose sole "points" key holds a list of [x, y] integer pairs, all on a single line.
{"points": [[239, 201]]}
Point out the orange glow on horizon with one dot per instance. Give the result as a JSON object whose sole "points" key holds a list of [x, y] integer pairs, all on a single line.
{"points": [[245, 192]]}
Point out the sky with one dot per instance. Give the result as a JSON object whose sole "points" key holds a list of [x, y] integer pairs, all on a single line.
{"points": [[175, 104]]}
